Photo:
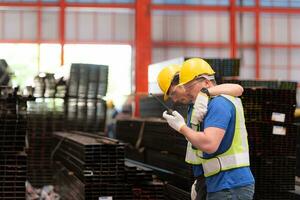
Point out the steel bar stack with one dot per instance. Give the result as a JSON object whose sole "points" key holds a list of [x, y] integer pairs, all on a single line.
{"points": [[85, 115], [269, 109], [149, 142], [13, 160], [224, 67], [298, 150], [85, 108], [150, 107], [143, 185], [166, 149], [44, 116], [174, 193], [87, 81], [97, 165], [130, 131]]}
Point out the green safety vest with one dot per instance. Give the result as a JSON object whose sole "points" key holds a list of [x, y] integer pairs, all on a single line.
{"points": [[235, 157]]}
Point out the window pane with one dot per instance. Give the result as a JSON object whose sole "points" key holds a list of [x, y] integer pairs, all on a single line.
{"points": [[50, 57], [22, 61], [117, 57]]}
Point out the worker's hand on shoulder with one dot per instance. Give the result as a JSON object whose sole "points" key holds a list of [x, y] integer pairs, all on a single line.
{"points": [[200, 108], [176, 121]]}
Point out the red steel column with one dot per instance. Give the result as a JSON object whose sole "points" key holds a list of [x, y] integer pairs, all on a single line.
{"points": [[232, 34], [62, 29], [143, 48], [257, 40]]}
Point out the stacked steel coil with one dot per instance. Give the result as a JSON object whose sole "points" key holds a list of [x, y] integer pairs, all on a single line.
{"points": [[13, 160]]}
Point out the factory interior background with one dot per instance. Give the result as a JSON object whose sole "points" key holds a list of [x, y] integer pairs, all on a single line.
{"points": [[77, 121]]}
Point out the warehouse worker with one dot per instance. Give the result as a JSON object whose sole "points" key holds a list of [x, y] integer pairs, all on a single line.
{"points": [[221, 147], [168, 79]]}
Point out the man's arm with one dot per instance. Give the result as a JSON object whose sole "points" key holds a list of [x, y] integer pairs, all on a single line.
{"points": [[200, 105], [216, 123], [207, 141], [226, 88]]}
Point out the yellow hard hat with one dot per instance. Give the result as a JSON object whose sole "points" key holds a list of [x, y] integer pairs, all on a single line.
{"points": [[192, 68], [165, 77]]}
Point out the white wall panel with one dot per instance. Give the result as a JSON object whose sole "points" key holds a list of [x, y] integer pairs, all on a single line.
{"points": [[1, 23], [277, 58], [280, 74], [265, 28], [247, 65], [30, 25], [157, 27], [209, 28], [280, 58], [162, 54], [266, 73], [50, 25], [214, 53], [295, 30], [280, 28], [274, 28], [174, 28], [245, 27], [12, 25], [190, 26], [70, 26], [158, 55], [223, 27], [124, 26], [99, 25], [295, 74], [174, 52], [193, 26], [265, 58], [193, 52], [104, 26], [295, 60], [85, 26]]}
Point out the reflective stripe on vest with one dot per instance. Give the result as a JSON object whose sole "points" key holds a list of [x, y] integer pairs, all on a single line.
{"points": [[238, 154], [193, 156]]}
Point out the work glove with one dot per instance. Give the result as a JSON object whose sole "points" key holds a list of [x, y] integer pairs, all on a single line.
{"points": [[175, 120], [193, 191], [200, 108]]}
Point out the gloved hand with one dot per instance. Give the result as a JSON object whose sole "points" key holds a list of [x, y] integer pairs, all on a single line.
{"points": [[175, 120], [200, 108], [193, 191]]}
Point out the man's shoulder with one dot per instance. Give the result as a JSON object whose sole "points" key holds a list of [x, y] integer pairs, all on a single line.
{"points": [[220, 103], [219, 100]]}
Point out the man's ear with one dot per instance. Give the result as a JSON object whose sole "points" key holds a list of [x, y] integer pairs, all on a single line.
{"points": [[207, 83]]}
